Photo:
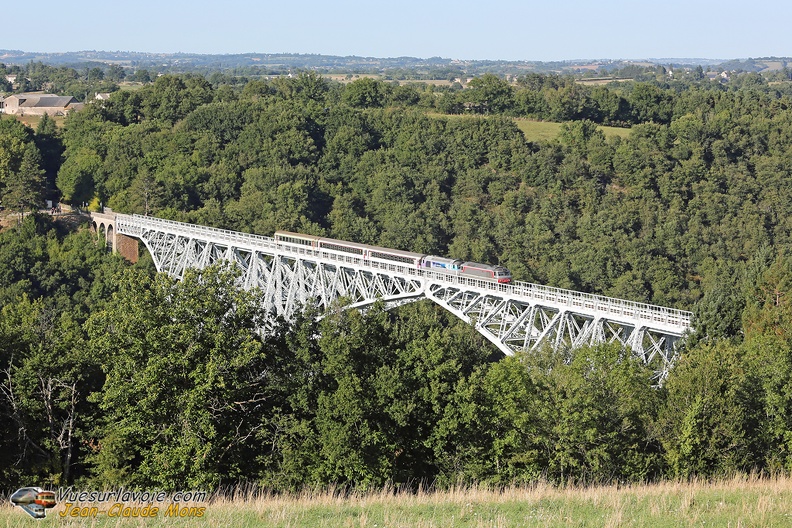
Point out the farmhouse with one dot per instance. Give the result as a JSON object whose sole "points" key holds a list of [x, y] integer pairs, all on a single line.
{"points": [[39, 104]]}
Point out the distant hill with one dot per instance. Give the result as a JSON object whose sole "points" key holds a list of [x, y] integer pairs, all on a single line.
{"points": [[434, 67]]}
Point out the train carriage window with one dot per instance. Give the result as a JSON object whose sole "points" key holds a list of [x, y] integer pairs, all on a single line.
{"points": [[345, 249], [396, 258], [293, 240]]}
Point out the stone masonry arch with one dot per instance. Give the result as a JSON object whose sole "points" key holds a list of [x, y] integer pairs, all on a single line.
{"points": [[104, 225]]}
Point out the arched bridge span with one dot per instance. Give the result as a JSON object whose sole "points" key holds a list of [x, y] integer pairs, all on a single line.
{"points": [[512, 316]]}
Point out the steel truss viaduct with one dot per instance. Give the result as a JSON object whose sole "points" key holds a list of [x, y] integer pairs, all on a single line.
{"points": [[512, 316]]}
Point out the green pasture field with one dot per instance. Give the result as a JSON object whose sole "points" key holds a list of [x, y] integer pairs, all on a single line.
{"points": [[546, 130], [738, 502], [130, 86], [539, 130], [33, 120], [600, 81]]}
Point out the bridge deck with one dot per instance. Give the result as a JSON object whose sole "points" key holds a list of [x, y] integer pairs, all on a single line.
{"points": [[667, 320]]}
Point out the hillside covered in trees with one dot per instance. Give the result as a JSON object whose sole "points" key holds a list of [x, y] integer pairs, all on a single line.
{"points": [[114, 376]]}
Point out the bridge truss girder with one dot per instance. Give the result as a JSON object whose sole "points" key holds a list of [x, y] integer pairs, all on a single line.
{"points": [[290, 282], [514, 324]]}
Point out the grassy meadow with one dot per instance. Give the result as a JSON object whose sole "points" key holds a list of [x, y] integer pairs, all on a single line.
{"points": [[546, 130], [33, 120], [738, 502], [539, 130]]}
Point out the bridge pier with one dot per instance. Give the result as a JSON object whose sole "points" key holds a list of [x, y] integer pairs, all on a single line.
{"points": [[104, 225]]}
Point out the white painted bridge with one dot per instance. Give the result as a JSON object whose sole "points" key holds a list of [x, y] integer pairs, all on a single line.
{"points": [[512, 316]]}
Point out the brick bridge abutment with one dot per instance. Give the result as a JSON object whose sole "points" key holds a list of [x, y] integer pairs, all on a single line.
{"points": [[104, 225]]}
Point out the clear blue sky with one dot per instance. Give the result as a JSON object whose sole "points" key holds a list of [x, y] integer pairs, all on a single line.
{"points": [[461, 29]]}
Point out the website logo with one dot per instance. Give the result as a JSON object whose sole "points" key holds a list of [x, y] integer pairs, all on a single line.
{"points": [[34, 500]]}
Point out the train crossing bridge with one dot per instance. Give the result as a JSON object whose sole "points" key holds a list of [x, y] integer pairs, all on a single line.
{"points": [[512, 316]]}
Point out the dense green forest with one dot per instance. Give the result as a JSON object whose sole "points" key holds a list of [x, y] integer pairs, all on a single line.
{"points": [[112, 375]]}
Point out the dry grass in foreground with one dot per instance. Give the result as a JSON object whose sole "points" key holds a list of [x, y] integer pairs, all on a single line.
{"points": [[738, 502]]}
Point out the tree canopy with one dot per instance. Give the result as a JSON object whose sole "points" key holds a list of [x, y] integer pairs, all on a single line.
{"points": [[162, 385]]}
